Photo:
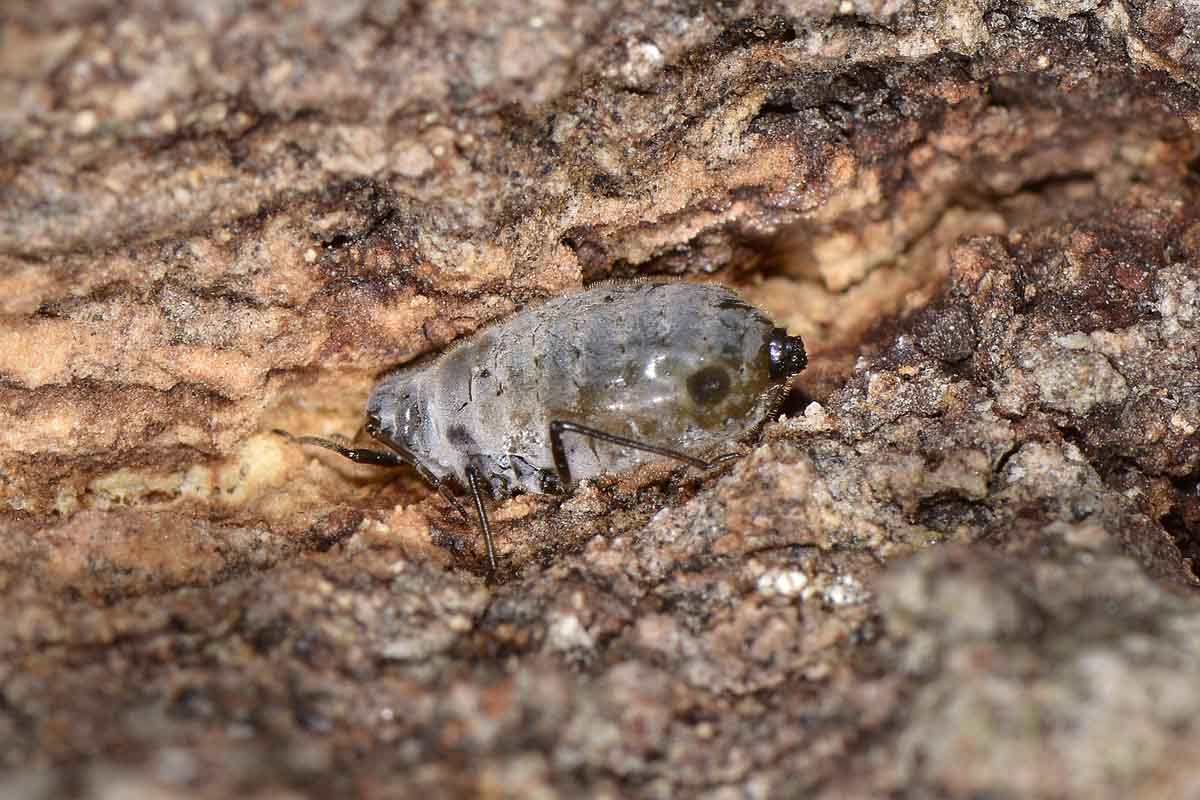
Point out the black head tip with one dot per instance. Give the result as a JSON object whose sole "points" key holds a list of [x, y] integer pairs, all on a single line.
{"points": [[786, 354]]}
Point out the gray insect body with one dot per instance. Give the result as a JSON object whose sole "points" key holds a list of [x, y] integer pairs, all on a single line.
{"points": [[592, 382], [681, 365]]}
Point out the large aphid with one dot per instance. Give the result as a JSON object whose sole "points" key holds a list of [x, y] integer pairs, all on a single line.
{"points": [[592, 382]]}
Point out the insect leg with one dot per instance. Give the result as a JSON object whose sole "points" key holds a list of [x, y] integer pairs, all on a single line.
{"points": [[440, 485], [473, 482], [558, 427]]}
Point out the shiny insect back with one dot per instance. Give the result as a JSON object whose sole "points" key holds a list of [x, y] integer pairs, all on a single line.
{"points": [[592, 382]]}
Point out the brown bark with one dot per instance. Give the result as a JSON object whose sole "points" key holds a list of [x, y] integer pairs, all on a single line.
{"points": [[960, 566]]}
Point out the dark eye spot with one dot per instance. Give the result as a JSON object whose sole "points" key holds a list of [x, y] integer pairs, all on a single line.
{"points": [[460, 438], [708, 386], [372, 425]]}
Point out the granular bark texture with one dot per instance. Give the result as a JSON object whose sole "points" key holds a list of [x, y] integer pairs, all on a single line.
{"points": [[961, 565]]}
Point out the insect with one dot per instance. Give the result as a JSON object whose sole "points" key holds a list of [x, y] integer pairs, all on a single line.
{"points": [[592, 382]]}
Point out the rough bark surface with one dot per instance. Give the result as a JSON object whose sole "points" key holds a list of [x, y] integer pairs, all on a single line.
{"points": [[960, 566]]}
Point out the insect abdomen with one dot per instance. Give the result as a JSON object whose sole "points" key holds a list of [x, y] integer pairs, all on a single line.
{"points": [[676, 365]]}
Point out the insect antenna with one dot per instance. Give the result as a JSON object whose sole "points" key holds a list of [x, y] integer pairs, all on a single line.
{"points": [[359, 455], [379, 458]]}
